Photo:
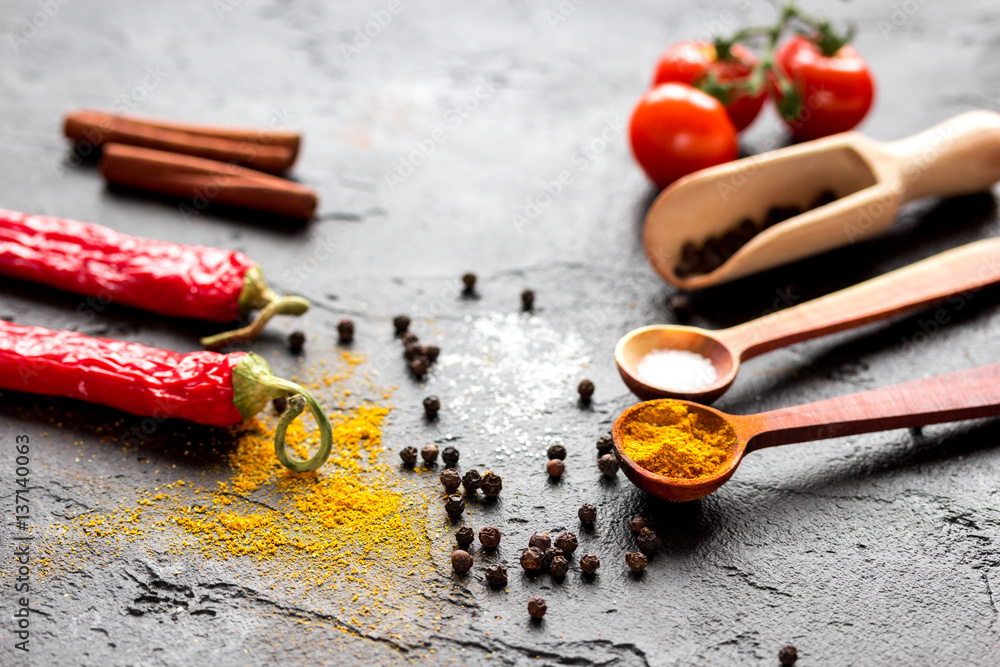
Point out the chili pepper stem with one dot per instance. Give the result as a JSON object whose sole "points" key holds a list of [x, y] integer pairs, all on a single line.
{"points": [[254, 385], [257, 294]]}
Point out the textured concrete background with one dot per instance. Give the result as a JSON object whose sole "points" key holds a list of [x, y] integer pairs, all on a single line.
{"points": [[875, 550]]}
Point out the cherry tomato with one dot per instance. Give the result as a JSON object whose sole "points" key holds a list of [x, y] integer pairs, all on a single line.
{"points": [[836, 91], [677, 129], [691, 61]]}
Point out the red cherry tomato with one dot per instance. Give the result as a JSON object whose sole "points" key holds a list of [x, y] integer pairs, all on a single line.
{"points": [[690, 61], [836, 91], [677, 129]]}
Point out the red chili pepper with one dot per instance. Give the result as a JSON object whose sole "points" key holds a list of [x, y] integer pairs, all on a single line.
{"points": [[159, 276], [204, 387]]}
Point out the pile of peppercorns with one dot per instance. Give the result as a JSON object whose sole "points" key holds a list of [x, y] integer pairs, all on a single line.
{"points": [[418, 357], [606, 461]]}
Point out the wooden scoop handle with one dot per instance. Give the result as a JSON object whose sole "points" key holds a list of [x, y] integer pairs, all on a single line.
{"points": [[958, 156], [963, 269], [967, 394]]}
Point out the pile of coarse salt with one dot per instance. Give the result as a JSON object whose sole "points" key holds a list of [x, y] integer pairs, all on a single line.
{"points": [[676, 370]]}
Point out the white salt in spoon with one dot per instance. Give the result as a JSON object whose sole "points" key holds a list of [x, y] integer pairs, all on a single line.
{"points": [[930, 281]]}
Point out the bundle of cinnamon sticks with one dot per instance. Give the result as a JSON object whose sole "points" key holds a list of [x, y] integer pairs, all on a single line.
{"points": [[204, 164]]}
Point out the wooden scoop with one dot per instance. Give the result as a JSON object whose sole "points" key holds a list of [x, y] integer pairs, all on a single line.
{"points": [[871, 180], [966, 268], [967, 394]]}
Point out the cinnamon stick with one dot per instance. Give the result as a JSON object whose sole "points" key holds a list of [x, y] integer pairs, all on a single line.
{"points": [[204, 181], [267, 150]]}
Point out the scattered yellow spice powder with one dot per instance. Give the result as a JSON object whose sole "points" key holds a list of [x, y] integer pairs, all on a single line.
{"points": [[665, 438]]}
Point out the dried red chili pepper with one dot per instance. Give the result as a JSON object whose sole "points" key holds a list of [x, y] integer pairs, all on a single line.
{"points": [[204, 387], [159, 276]]}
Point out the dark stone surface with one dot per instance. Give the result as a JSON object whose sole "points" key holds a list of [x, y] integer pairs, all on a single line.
{"points": [[878, 549]]}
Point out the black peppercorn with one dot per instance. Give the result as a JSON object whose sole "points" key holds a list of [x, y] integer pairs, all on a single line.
{"points": [[401, 323], [532, 559], [567, 542], [280, 404], [450, 456], [559, 566], [555, 468], [586, 390], [527, 300], [587, 514], [489, 537], [432, 352], [551, 553], [540, 541], [608, 465], [471, 481], [496, 575], [648, 542], [637, 524], [409, 338], [419, 366], [409, 455], [557, 452], [469, 280], [604, 444], [636, 561], [345, 330], [589, 563], [491, 484], [454, 506], [461, 561], [412, 350], [450, 480], [537, 607], [681, 305], [464, 536], [429, 454], [296, 340], [788, 655], [431, 406]]}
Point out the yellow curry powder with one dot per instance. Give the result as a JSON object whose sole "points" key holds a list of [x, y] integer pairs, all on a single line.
{"points": [[665, 438]]}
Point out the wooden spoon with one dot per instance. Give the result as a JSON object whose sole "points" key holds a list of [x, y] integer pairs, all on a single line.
{"points": [[967, 394], [969, 267], [872, 179]]}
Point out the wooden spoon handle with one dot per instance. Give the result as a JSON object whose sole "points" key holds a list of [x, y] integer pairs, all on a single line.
{"points": [[958, 156], [967, 394], [963, 269]]}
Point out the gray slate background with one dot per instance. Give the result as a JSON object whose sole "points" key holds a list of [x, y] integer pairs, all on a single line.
{"points": [[873, 550]]}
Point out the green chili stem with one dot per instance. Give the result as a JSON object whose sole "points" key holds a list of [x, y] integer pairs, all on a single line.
{"points": [[257, 295], [296, 404]]}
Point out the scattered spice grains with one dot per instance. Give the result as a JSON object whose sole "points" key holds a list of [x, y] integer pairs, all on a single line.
{"points": [[648, 542], [296, 341], [345, 330], [450, 456], [559, 566], [567, 542], [608, 465], [471, 481], [587, 514], [527, 300], [637, 524], [636, 561], [532, 559], [491, 484], [432, 404], [557, 452], [496, 575], [540, 541], [454, 506], [537, 607], [401, 323], [555, 468], [489, 537], [450, 480], [429, 454], [461, 561], [604, 444], [464, 536], [586, 390], [589, 563], [788, 655], [409, 455]]}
